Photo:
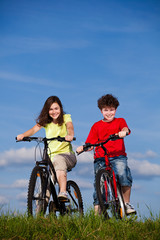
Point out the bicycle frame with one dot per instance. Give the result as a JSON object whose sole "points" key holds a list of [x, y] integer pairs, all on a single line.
{"points": [[44, 174], [108, 165], [108, 168]]}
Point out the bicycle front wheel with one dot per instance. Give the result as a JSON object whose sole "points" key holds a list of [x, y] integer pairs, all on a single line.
{"points": [[110, 206], [35, 203], [120, 204], [75, 202]]}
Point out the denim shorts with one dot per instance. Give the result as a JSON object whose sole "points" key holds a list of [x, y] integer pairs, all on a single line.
{"points": [[120, 168]]}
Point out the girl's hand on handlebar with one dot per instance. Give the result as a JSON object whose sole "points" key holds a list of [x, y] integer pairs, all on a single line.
{"points": [[69, 138], [20, 137]]}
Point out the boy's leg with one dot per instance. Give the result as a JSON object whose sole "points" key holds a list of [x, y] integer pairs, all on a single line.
{"points": [[122, 170], [126, 191], [97, 209], [98, 164]]}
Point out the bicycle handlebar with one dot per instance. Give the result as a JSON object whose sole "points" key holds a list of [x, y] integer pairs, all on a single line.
{"points": [[112, 137], [40, 139]]}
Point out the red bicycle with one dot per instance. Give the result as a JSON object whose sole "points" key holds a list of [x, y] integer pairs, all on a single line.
{"points": [[107, 185]]}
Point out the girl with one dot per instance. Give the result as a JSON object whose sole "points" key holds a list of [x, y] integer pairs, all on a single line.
{"points": [[56, 123]]}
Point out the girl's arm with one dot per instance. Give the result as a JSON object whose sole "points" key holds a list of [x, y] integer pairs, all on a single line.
{"points": [[70, 131], [29, 133]]}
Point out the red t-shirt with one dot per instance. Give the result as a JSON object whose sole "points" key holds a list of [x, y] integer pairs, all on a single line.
{"points": [[101, 130]]}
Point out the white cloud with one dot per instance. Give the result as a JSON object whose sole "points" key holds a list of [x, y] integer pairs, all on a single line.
{"points": [[19, 156], [130, 27], [19, 183], [3, 200], [7, 76], [147, 154], [84, 184], [140, 163], [86, 157], [17, 45], [144, 168], [22, 196]]}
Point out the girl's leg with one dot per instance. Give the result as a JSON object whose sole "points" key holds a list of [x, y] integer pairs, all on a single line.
{"points": [[62, 180], [61, 163]]}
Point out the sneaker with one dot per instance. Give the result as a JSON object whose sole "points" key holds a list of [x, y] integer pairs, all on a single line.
{"points": [[129, 209], [63, 196]]}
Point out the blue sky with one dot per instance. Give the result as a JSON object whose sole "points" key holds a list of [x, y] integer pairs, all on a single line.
{"points": [[79, 51]]}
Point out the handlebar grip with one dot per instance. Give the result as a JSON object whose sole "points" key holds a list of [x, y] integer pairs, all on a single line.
{"points": [[27, 139], [78, 153], [114, 137], [62, 139], [86, 146]]}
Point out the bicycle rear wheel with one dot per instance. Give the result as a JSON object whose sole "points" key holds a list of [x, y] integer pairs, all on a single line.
{"points": [[35, 203], [75, 202], [110, 206]]}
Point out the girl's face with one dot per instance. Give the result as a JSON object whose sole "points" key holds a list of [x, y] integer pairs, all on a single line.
{"points": [[54, 111], [108, 113]]}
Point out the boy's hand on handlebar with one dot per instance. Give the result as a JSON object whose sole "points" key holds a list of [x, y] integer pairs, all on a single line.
{"points": [[79, 149], [122, 134], [82, 149], [89, 149]]}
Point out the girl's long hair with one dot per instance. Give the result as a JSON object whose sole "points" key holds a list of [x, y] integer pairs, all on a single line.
{"points": [[44, 117]]}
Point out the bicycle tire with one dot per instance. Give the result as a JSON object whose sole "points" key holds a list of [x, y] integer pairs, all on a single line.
{"points": [[121, 205], [75, 203], [35, 204], [110, 206]]}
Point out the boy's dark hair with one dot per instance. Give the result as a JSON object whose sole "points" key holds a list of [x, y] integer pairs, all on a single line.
{"points": [[44, 117], [108, 100]]}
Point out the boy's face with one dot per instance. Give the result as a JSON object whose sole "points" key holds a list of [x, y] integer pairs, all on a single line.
{"points": [[108, 113]]}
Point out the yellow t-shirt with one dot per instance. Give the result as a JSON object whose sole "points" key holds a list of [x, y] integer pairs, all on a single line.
{"points": [[54, 130]]}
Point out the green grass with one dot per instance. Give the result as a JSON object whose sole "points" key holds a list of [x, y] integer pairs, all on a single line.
{"points": [[89, 226]]}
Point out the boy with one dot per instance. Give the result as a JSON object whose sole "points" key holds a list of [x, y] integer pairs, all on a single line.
{"points": [[100, 131]]}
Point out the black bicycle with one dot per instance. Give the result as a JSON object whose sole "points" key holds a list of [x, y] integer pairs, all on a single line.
{"points": [[107, 185], [43, 186]]}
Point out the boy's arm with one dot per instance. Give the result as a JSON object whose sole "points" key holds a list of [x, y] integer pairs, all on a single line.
{"points": [[124, 132], [81, 149], [92, 138]]}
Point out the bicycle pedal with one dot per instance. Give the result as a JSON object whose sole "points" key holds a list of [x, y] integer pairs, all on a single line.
{"points": [[52, 207], [63, 200]]}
